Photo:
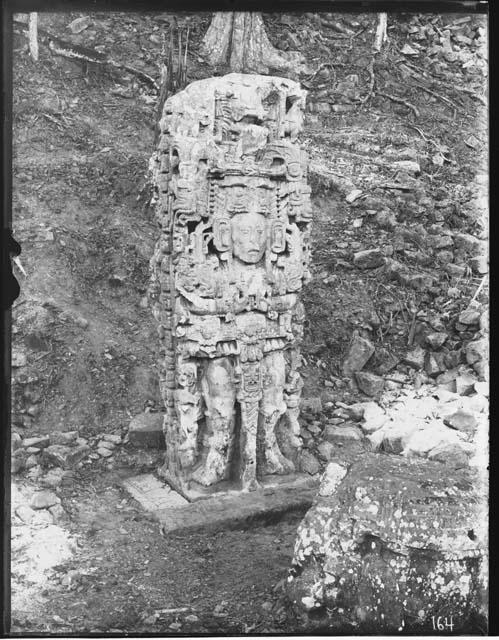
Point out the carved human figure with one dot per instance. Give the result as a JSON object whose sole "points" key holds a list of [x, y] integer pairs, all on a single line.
{"points": [[234, 212]]}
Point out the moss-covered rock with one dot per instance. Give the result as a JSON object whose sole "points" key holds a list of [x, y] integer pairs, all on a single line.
{"points": [[396, 543]]}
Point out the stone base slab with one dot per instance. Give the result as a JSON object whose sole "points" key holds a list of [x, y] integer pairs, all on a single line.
{"points": [[230, 510]]}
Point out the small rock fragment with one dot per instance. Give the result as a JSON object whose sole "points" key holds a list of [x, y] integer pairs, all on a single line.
{"points": [[44, 500], [469, 317], [104, 452], [462, 421], [326, 450], [374, 417], [80, 24], [36, 441], [25, 513], [309, 463], [63, 437], [331, 478], [436, 339], [62, 456], [360, 352], [369, 383], [342, 434], [369, 259], [353, 195], [434, 364], [415, 358]]}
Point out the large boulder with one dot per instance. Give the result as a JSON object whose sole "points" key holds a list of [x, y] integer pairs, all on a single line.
{"points": [[390, 545]]}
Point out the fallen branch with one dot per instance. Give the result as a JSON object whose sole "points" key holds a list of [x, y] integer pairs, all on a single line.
{"points": [[400, 101], [61, 47]]}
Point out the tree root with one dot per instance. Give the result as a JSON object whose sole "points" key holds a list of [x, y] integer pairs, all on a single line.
{"points": [[400, 101]]}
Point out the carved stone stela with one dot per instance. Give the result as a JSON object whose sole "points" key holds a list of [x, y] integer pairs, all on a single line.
{"points": [[234, 211]]}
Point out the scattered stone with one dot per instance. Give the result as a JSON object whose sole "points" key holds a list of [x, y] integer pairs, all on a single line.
{"points": [[374, 417], [469, 317], [360, 352], [477, 350], [326, 451], [465, 384], [479, 265], [25, 514], [111, 437], [395, 434], [58, 512], [385, 219], [53, 478], [369, 383], [355, 411], [353, 195], [146, 431], [415, 358], [467, 243], [63, 437], [482, 388], [62, 456], [15, 441], [342, 434], [104, 452], [43, 518], [309, 463], [19, 359], [436, 340], [31, 461], [331, 478], [369, 259], [37, 441], [451, 454], [434, 364], [44, 500], [34, 450], [80, 24], [18, 463], [462, 421], [312, 405], [424, 440], [408, 166], [106, 444]]}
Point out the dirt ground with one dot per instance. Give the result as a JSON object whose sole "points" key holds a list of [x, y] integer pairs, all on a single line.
{"points": [[84, 341]]}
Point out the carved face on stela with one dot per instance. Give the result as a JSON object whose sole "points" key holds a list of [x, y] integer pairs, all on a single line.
{"points": [[249, 236]]}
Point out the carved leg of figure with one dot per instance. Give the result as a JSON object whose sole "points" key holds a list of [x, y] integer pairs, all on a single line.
{"points": [[272, 408], [219, 395], [249, 420]]}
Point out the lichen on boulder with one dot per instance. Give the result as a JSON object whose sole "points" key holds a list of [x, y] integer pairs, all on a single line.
{"points": [[394, 543]]}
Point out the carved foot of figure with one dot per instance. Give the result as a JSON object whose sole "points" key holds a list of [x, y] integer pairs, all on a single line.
{"points": [[276, 463], [208, 473], [250, 484]]}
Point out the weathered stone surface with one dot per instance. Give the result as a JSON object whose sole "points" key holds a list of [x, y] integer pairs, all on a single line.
{"points": [[64, 457], [342, 433], [369, 383], [53, 478], [469, 317], [415, 358], [477, 350], [234, 211], [326, 450], [451, 454], [114, 438], [44, 500], [374, 417], [331, 478], [434, 364], [237, 511], [146, 431], [311, 405], [395, 543], [309, 463], [36, 441], [360, 351], [153, 494], [15, 441], [63, 437], [25, 514], [369, 259], [465, 384], [104, 452], [436, 339], [462, 421]]}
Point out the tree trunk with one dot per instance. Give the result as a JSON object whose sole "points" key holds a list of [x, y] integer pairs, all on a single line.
{"points": [[239, 39]]}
